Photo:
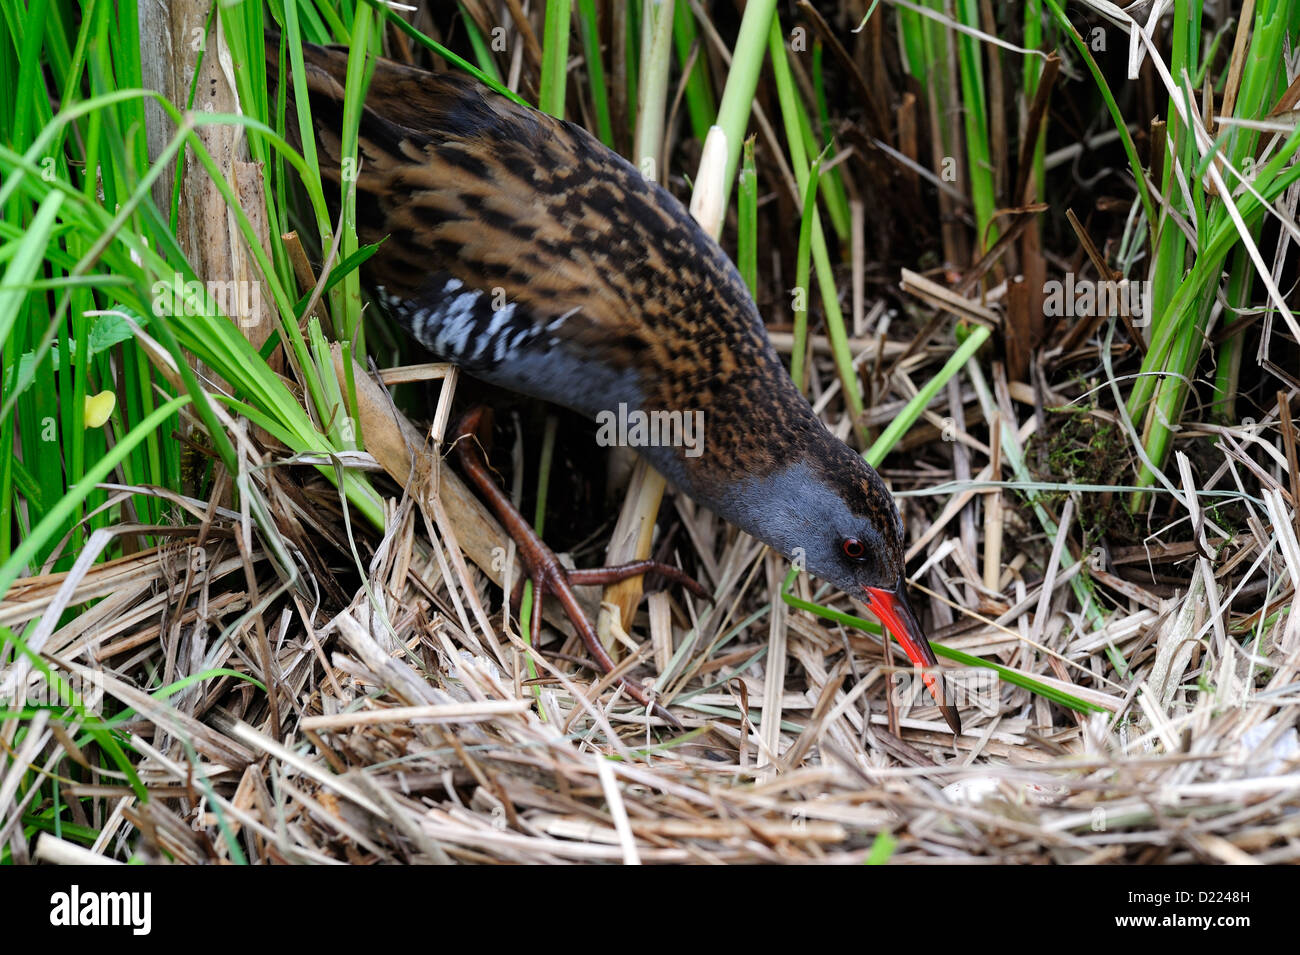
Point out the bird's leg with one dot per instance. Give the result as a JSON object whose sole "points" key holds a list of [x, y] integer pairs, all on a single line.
{"points": [[544, 569]]}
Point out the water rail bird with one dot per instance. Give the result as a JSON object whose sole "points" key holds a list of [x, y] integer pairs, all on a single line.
{"points": [[521, 249]]}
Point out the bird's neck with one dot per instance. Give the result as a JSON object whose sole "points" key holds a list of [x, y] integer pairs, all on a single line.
{"points": [[766, 460]]}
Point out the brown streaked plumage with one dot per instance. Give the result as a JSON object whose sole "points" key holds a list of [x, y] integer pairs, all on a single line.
{"points": [[519, 247]]}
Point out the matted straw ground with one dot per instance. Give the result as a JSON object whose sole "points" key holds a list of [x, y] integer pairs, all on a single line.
{"points": [[407, 728]]}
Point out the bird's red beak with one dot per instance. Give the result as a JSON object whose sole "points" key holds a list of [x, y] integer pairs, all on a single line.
{"points": [[893, 610]]}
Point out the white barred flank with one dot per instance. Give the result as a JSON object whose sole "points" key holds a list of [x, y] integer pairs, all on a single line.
{"points": [[461, 324]]}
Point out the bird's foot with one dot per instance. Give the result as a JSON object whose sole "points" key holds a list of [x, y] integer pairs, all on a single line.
{"points": [[603, 576], [544, 569]]}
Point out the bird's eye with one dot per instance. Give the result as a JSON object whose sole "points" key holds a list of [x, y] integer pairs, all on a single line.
{"points": [[853, 548]]}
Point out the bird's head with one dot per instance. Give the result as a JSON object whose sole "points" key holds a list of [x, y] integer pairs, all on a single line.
{"points": [[831, 515]]}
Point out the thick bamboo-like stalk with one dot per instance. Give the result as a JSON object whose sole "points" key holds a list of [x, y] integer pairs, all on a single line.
{"points": [[169, 61]]}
